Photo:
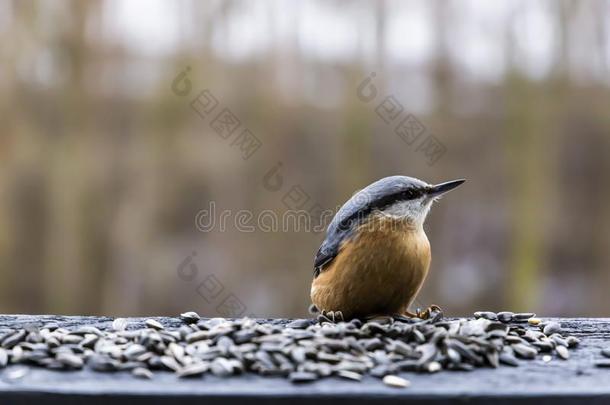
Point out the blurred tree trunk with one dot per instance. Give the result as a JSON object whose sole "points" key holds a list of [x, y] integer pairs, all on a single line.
{"points": [[533, 114], [599, 249], [527, 157], [441, 66], [358, 135]]}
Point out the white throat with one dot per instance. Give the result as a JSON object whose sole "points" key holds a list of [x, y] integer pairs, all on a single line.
{"points": [[415, 211]]}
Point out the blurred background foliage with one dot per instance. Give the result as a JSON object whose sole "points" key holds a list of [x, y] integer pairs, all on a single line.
{"points": [[103, 168]]}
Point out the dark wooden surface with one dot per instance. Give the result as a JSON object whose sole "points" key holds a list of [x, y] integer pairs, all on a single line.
{"points": [[558, 382]]}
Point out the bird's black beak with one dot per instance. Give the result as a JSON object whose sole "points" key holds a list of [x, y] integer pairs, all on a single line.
{"points": [[442, 188]]}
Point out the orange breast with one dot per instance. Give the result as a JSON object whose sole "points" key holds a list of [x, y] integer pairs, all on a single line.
{"points": [[379, 271]]}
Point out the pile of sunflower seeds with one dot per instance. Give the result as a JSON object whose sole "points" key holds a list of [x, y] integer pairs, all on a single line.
{"points": [[301, 350]]}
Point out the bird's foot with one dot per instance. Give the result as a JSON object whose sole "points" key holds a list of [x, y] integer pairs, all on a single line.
{"points": [[333, 316], [429, 312]]}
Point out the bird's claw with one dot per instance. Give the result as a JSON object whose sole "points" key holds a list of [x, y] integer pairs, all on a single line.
{"points": [[428, 312], [334, 316]]}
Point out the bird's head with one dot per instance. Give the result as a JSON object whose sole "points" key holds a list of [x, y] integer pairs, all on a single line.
{"points": [[404, 197]]}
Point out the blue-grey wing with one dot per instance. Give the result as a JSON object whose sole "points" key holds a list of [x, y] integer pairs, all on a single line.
{"points": [[340, 229], [327, 252]]}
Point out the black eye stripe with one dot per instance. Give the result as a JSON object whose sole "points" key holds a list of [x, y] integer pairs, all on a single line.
{"points": [[380, 204], [409, 194]]}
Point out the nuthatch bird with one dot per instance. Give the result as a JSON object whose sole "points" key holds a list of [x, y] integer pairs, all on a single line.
{"points": [[376, 255]]}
